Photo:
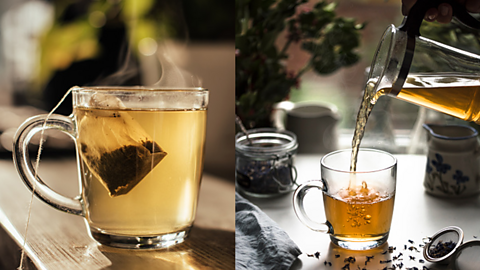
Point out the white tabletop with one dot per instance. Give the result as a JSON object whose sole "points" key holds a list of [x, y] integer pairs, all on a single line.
{"points": [[416, 215]]}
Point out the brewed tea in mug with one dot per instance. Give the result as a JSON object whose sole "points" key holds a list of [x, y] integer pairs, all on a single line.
{"points": [[358, 204], [140, 157]]}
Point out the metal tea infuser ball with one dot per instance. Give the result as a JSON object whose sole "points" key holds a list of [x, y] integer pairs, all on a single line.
{"points": [[446, 247]]}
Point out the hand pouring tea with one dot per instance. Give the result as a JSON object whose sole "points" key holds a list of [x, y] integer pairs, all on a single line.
{"points": [[415, 69]]}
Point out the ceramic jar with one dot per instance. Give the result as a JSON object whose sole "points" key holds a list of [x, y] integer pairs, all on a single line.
{"points": [[452, 161], [313, 122]]}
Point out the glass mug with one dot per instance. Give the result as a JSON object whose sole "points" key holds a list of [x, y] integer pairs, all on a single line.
{"points": [[140, 160], [358, 205]]}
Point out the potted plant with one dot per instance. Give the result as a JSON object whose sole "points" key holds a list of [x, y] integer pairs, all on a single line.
{"points": [[262, 79]]}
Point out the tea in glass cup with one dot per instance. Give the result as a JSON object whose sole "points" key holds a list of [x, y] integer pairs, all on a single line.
{"points": [[358, 204], [140, 157]]}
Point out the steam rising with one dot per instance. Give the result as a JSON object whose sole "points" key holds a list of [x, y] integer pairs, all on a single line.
{"points": [[172, 76], [153, 60], [127, 70], [158, 67]]}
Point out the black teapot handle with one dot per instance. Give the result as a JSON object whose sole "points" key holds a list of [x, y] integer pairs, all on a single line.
{"points": [[412, 22]]}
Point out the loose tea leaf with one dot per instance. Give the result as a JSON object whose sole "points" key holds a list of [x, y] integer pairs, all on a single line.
{"points": [[264, 177], [441, 249]]}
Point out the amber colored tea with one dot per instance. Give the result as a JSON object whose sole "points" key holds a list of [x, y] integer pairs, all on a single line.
{"points": [[450, 93], [359, 214], [163, 198], [455, 94]]}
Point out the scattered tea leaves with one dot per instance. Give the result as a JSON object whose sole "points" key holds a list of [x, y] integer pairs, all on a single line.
{"points": [[411, 248], [350, 260], [316, 255], [368, 259], [396, 262]]}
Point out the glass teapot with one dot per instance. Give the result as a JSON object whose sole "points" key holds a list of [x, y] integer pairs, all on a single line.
{"points": [[418, 70]]}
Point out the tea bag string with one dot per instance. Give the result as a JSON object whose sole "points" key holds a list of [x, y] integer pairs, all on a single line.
{"points": [[37, 161]]}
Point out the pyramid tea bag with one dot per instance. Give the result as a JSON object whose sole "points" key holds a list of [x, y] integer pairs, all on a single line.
{"points": [[114, 146]]}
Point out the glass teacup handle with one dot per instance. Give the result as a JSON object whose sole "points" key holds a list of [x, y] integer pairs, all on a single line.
{"points": [[299, 208], [26, 170]]}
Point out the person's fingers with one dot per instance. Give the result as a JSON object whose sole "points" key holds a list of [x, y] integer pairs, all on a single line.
{"points": [[472, 6], [407, 5], [431, 15], [444, 13]]}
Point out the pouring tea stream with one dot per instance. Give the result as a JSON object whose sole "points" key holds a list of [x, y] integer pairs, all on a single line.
{"points": [[421, 71], [424, 72]]}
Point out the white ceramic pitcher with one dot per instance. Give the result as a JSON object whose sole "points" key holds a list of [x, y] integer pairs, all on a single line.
{"points": [[313, 122], [452, 161]]}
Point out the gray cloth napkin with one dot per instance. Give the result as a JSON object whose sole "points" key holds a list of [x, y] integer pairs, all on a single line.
{"points": [[259, 242]]}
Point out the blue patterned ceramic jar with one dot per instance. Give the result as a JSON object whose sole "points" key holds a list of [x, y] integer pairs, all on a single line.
{"points": [[452, 161]]}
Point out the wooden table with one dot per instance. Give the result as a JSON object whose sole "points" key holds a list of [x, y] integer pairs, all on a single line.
{"points": [[416, 215], [57, 240]]}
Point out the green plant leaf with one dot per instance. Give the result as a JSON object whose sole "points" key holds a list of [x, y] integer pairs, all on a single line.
{"points": [[261, 78]]}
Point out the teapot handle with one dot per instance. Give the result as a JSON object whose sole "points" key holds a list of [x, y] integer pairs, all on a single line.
{"points": [[411, 25], [279, 114], [412, 22]]}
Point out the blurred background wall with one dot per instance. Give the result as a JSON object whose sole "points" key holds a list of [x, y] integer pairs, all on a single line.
{"points": [[48, 46]]}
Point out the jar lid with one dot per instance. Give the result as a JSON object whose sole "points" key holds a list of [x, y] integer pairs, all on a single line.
{"points": [[266, 141], [467, 256]]}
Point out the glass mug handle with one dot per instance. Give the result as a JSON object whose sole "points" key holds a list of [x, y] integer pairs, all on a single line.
{"points": [[302, 215], [24, 166]]}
